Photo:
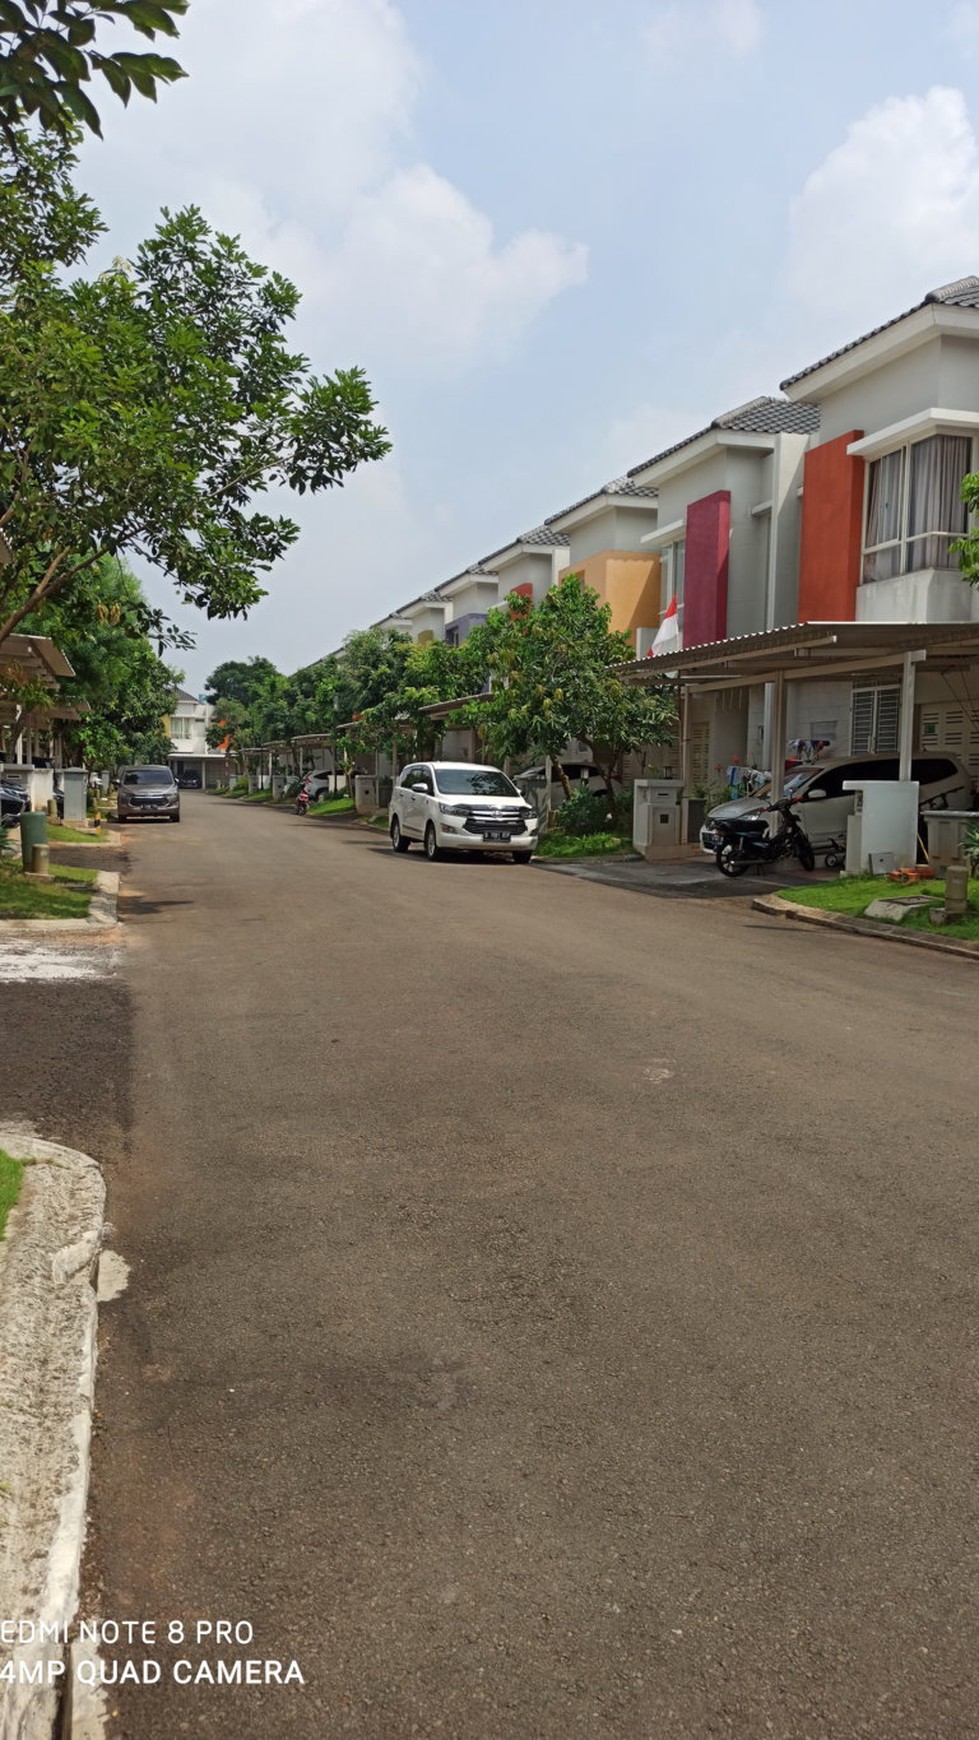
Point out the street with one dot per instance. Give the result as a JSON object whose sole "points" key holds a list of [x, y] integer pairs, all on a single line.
{"points": [[552, 1312]]}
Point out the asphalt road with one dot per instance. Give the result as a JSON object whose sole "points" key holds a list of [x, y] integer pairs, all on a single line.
{"points": [[552, 1312]]}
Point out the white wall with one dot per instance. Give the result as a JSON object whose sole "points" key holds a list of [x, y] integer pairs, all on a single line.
{"points": [[615, 528], [928, 595]]}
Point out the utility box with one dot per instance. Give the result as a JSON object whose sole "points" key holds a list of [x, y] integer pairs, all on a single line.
{"points": [[884, 819], [365, 794], [656, 817], [74, 784], [945, 831]]}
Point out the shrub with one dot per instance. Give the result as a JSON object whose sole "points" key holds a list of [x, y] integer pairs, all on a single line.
{"points": [[594, 812]]}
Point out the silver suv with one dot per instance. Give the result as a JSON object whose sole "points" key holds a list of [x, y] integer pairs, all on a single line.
{"points": [[944, 784], [147, 794]]}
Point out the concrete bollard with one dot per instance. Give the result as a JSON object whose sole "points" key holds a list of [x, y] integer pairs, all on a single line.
{"points": [[52, 810], [956, 890], [40, 861]]}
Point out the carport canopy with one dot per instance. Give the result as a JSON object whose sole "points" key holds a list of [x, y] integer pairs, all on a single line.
{"points": [[813, 649]]}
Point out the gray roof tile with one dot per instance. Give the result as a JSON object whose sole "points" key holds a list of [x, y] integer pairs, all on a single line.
{"points": [[961, 293], [763, 416], [618, 486]]}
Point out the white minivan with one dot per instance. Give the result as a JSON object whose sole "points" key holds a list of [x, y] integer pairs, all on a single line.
{"points": [[944, 785], [457, 806]]}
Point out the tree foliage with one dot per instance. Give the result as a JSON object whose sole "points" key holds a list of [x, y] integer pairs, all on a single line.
{"points": [[143, 411], [49, 51], [967, 548], [554, 677], [100, 624]]}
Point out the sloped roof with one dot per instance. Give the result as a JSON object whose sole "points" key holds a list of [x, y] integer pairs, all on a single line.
{"points": [[762, 416], [617, 486], [961, 293], [540, 538]]}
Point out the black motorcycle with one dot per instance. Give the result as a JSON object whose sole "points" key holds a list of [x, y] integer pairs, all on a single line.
{"points": [[745, 841]]}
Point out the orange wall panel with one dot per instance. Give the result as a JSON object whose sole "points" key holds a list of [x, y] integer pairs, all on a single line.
{"points": [[626, 580], [832, 532]]}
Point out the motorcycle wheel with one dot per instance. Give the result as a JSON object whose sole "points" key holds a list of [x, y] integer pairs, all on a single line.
{"points": [[729, 863], [806, 855]]}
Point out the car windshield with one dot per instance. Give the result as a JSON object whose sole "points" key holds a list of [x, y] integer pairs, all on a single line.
{"points": [[474, 782], [148, 776]]}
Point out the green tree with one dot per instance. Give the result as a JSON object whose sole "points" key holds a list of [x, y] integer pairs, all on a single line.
{"points": [[48, 53], [145, 410], [967, 548], [554, 676], [100, 624], [239, 680]]}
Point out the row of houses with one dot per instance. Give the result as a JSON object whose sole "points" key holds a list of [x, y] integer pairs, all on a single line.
{"points": [[806, 542]]}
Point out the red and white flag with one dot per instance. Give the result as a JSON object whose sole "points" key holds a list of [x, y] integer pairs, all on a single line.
{"points": [[668, 637]]}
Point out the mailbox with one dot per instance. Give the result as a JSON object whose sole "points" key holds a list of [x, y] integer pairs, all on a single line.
{"points": [[656, 816]]}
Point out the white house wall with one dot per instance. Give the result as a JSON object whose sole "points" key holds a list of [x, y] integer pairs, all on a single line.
{"points": [[613, 529], [901, 387]]}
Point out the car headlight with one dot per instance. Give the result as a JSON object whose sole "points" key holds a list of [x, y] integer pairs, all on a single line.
{"points": [[455, 809]]}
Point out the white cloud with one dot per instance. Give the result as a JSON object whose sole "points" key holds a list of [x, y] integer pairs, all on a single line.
{"points": [[679, 27], [299, 138], [891, 213]]}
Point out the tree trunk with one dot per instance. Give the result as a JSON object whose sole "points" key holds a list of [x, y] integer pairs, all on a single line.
{"points": [[562, 776]]}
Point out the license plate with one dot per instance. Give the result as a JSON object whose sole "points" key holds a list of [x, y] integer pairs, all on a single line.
{"points": [[495, 834]]}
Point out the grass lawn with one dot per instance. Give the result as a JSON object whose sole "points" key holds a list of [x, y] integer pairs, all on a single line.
{"points": [[256, 797], [11, 1173], [853, 894], [558, 845], [60, 835], [334, 806], [68, 896]]}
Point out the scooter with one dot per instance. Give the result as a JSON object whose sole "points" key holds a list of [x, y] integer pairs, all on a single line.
{"points": [[746, 841], [302, 801]]}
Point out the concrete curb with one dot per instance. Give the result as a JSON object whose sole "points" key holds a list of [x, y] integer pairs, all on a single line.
{"points": [[48, 1326], [791, 909], [108, 840], [103, 914]]}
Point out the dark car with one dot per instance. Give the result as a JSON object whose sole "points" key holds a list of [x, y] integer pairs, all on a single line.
{"points": [[189, 781], [13, 803], [147, 794]]}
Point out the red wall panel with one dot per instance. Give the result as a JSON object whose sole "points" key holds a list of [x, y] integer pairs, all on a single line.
{"points": [[832, 532], [706, 569]]}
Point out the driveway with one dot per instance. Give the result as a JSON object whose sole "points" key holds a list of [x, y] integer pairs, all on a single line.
{"points": [[552, 1313]]}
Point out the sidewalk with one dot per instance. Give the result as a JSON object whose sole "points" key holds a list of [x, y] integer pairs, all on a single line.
{"points": [[690, 878]]}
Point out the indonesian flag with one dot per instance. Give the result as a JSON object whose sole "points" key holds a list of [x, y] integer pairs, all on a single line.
{"points": [[668, 637]]}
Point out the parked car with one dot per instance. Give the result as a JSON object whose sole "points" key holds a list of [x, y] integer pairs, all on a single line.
{"points": [[189, 781], [580, 773], [147, 793], [459, 806], [13, 803], [321, 785], [945, 785]]}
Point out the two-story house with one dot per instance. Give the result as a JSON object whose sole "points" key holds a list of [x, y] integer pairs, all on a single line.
{"points": [[881, 509], [605, 533], [190, 755], [726, 545]]}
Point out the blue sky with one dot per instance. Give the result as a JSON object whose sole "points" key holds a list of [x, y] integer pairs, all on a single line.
{"points": [[557, 236]]}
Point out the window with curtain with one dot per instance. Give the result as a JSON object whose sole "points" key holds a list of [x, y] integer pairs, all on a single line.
{"points": [[914, 510]]}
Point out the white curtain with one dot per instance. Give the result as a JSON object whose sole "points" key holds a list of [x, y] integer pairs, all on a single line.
{"points": [[936, 514]]}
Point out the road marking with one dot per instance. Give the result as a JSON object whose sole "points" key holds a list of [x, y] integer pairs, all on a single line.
{"points": [[659, 1070], [24, 961]]}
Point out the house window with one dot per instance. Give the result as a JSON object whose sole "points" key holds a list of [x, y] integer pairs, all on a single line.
{"points": [[914, 510], [672, 565], [874, 720], [180, 729]]}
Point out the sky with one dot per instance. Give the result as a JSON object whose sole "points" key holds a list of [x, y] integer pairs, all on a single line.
{"points": [[556, 236]]}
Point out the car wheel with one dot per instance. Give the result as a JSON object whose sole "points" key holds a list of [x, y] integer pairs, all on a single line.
{"points": [[728, 861], [522, 857], [432, 851], [174, 818], [398, 840]]}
